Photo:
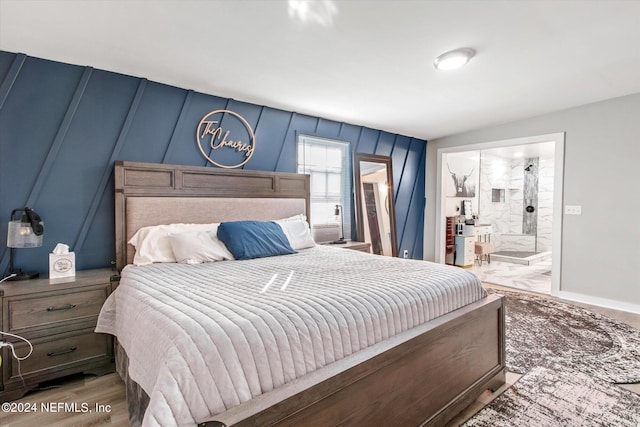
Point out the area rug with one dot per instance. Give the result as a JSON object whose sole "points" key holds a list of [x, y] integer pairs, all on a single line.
{"points": [[544, 332], [544, 397]]}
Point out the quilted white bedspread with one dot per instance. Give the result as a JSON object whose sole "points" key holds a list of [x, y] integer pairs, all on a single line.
{"points": [[204, 338]]}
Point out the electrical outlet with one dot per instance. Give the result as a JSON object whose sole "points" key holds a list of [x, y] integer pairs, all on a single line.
{"points": [[405, 254], [573, 210]]}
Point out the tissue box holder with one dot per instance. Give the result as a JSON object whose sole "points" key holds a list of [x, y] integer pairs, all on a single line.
{"points": [[63, 265]]}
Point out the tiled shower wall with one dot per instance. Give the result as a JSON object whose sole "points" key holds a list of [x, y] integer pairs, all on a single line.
{"points": [[507, 216], [545, 203]]}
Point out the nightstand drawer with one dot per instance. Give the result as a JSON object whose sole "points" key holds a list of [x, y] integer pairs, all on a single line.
{"points": [[60, 353], [58, 316], [30, 312]]}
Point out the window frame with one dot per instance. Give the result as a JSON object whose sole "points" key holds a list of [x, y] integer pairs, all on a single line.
{"points": [[344, 198]]}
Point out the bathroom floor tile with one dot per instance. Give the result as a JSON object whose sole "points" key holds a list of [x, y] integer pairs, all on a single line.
{"points": [[533, 278]]}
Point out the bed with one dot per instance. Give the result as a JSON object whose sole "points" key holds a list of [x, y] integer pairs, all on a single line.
{"points": [[423, 360]]}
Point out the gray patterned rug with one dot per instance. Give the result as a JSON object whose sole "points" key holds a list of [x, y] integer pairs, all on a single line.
{"points": [[549, 333], [545, 397]]}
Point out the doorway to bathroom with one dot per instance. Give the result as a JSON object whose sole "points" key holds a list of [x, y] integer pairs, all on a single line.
{"points": [[504, 198]]}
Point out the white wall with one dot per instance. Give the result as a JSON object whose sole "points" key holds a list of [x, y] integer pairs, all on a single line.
{"points": [[600, 248]]}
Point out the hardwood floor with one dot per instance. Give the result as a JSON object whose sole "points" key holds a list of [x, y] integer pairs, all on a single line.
{"points": [[109, 392], [81, 394]]}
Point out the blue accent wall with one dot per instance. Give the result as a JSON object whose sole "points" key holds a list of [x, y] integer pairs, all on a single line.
{"points": [[62, 126]]}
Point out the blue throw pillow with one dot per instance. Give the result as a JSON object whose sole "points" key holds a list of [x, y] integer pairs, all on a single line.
{"points": [[254, 239]]}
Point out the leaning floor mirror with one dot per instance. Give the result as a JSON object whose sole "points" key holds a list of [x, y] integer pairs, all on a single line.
{"points": [[375, 211]]}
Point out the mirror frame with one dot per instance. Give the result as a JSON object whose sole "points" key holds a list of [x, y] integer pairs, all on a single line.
{"points": [[386, 160]]}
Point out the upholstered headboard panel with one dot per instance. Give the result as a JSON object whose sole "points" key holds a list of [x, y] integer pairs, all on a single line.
{"points": [[152, 194], [143, 211]]}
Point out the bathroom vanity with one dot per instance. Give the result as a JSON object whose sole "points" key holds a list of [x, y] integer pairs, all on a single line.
{"points": [[466, 251]]}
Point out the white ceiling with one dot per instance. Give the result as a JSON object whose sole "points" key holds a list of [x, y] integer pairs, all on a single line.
{"points": [[362, 62]]}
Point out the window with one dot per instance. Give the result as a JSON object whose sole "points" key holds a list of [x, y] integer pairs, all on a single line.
{"points": [[328, 162]]}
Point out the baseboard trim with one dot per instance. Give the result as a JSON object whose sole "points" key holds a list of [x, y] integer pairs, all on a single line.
{"points": [[601, 302]]}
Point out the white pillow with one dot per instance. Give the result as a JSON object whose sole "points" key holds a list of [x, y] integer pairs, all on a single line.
{"points": [[153, 245], [196, 247], [296, 228]]}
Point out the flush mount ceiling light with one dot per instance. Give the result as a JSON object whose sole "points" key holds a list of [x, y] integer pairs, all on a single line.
{"points": [[454, 58]]}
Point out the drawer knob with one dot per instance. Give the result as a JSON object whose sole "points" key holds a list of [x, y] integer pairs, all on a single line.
{"points": [[58, 353], [62, 307]]}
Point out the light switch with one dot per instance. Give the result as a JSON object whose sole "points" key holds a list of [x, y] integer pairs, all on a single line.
{"points": [[573, 210]]}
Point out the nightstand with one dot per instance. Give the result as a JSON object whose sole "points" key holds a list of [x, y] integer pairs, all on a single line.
{"points": [[352, 244], [58, 317]]}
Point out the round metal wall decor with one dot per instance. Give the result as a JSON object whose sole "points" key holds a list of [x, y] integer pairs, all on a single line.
{"points": [[229, 147]]}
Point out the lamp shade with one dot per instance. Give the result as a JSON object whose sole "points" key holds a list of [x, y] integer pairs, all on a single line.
{"points": [[20, 235], [23, 233]]}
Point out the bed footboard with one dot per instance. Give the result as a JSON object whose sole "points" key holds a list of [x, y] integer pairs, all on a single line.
{"points": [[424, 376]]}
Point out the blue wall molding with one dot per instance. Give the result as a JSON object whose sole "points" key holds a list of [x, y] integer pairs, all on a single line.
{"points": [[11, 77], [59, 138], [62, 126], [106, 175]]}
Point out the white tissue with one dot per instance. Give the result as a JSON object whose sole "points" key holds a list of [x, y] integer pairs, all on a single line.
{"points": [[60, 249]]}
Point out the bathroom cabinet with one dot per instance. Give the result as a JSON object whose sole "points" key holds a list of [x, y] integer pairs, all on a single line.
{"points": [[465, 250]]}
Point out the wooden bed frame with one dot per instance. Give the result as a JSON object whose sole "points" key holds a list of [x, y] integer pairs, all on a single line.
{"points": [[424, 376]]}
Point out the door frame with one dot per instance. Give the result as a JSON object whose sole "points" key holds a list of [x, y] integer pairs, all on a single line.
{"points": [[558, 187]]}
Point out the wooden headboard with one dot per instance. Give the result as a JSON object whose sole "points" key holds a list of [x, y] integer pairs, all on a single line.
{"points": [[152, 194]]}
